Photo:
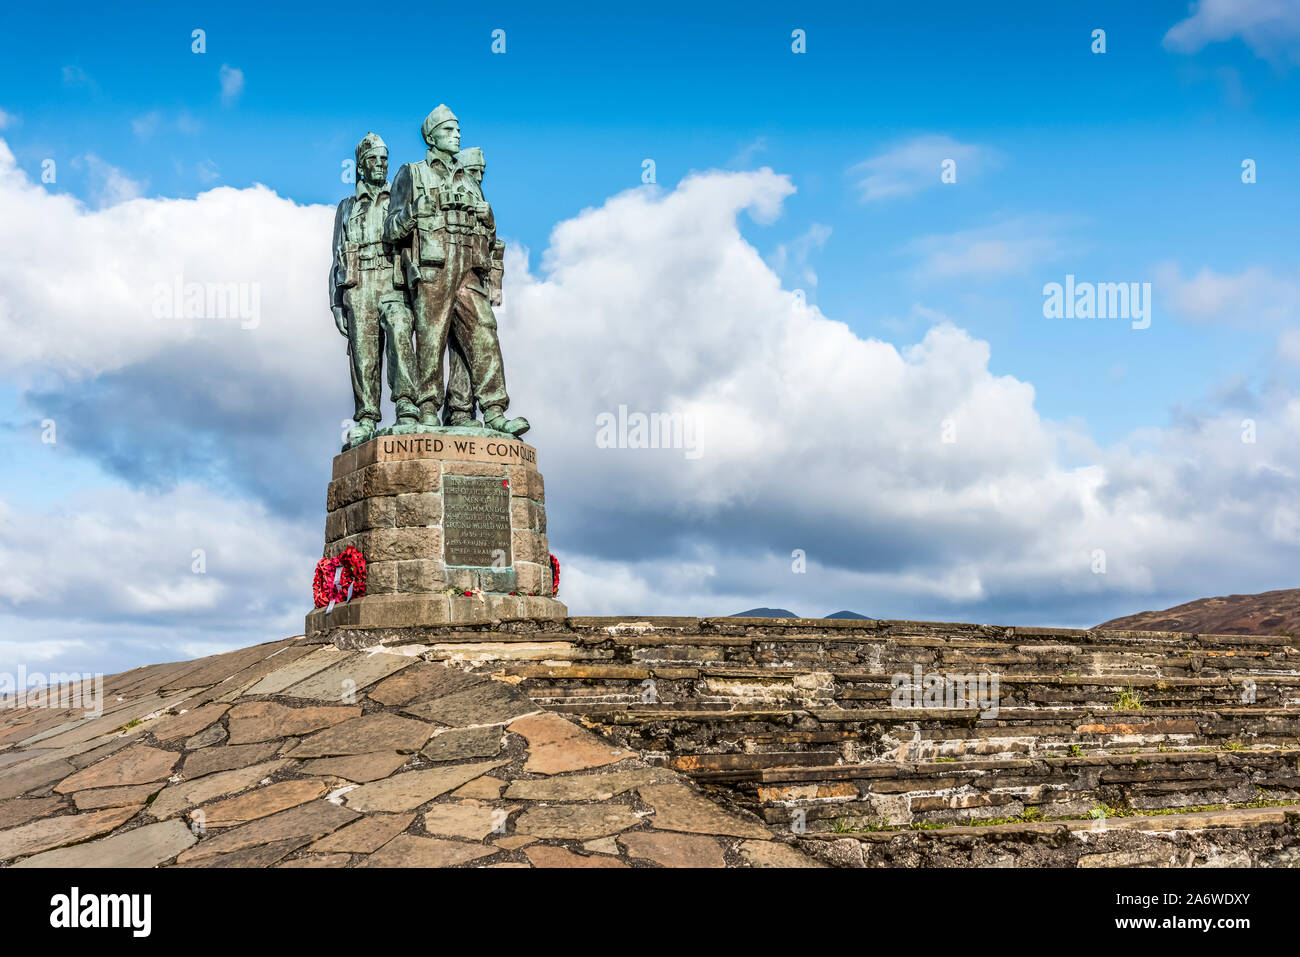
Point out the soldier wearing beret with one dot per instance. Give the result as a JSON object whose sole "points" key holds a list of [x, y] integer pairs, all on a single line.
{"points": [[367, 297], [458, 408]]}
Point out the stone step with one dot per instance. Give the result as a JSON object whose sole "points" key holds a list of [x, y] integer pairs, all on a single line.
{"points": [[907, 793], [646, 631], [703, 739], [751, 688], [888, 645], [1232, 837]]}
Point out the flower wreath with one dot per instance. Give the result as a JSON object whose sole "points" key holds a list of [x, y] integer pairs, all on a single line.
{"points": [[349, 568], [555, 576]]}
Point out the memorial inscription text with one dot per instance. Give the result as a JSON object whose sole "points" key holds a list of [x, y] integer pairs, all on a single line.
{"points": [[476, 521]]}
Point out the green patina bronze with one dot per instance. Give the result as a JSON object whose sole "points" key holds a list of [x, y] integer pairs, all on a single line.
{"points": [[416, 270]]}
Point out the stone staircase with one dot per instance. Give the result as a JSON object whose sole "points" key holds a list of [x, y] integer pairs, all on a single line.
{"points": [[1104, 747]]}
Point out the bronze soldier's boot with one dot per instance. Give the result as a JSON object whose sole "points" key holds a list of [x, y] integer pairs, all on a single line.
{"points": [[363, 431], [462, 420], [495, 419]]}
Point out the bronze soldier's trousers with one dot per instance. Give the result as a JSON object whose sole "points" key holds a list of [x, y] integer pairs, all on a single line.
{"points": [[380, 327], [459, 400], [452, 300]]}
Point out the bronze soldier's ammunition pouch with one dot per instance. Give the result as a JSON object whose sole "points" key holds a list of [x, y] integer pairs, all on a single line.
{"points": [[348, 270], [496, 273], [428, 240], [480, 251], [370, 256]]}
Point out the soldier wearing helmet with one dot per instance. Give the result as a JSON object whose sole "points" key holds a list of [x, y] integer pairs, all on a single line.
{"points": [[437, 218]]}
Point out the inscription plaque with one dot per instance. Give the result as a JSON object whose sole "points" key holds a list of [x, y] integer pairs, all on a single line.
{"points": [[476, 521]]}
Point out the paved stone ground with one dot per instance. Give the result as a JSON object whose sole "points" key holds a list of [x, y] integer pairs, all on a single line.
{"points": [[294, 754]]}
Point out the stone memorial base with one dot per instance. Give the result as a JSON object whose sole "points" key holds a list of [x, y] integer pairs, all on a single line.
{"points": [[438, 514]]}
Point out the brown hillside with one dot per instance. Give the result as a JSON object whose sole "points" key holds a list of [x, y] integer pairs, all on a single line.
{"points": [[1268, 613]]}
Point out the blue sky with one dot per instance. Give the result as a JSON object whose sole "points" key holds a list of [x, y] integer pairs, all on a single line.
{"points": [[1123, 159], [1115, 166]]}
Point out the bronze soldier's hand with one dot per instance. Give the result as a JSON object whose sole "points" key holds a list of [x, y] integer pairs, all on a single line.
{"points": [[340, 320]]}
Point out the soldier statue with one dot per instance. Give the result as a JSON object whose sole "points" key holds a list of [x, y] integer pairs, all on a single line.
{"points": [[367, 297], [440, 223], [458, 407]]}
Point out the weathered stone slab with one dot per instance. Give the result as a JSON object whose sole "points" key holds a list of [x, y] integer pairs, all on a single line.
{"points": [[53, 832], [1136, 857], [467, 819], [359, 768], [252, 721], [365, 836], [87, 730], [673, 850], [423, 679], [514, 841], [587, 787], [486, 788], [29, 777], [374, 732], [186, 725], [678, 808], [212, 735], [490, 703], [217, 668], [227, 758], [543, 855], [410, 789], [296, 671], [22, 810], [343, 680], [263, 802], [303, 823], [556, 745], [186, 794], [318, 860], [256, 855], [231, 687], [97, 798], [458, 744], [773, 854], [146, 846], [15, 755], [140, 764], [576, 821], [86, 758], [407, 850]]}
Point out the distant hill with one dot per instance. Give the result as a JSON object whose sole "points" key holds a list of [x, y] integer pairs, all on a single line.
{"points": [[782, 613], [1268, 613]]}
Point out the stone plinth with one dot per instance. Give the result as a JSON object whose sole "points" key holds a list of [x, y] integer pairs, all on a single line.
{"points": [[438, 514]]}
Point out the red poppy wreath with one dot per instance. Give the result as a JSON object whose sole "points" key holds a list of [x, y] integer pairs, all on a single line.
{"points": [[334, 577]]}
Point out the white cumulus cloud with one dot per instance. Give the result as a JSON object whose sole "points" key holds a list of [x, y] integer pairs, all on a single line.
{"points": [[916, 480]]}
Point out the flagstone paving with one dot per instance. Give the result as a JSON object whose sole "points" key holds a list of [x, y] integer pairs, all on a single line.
{"points": [[293, 754]]}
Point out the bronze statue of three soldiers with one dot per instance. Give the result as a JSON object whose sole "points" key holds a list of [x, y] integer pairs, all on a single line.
{"points": [[415, 272]]}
